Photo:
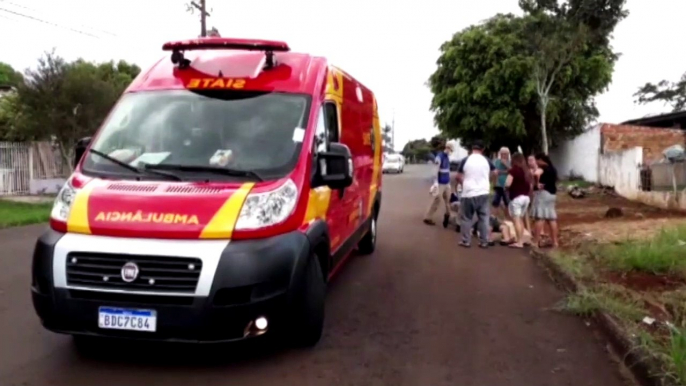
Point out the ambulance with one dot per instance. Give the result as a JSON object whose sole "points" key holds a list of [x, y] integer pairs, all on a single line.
{"points": [[226, 187]]}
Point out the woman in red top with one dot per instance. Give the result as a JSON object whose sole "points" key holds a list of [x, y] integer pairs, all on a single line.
{"points": [[519, 183]]}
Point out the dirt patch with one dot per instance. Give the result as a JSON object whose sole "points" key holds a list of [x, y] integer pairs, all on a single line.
{"points": [[583, 220], [644, 282]]}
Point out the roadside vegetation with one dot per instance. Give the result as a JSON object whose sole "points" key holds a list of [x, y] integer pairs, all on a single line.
{"points": [[21, 213], [641, 284]]}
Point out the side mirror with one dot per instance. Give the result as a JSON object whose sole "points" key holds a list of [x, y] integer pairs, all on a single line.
{"points": [[335, 167], [80, 148]]}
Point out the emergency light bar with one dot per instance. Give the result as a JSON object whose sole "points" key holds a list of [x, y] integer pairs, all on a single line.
{"points": [[179, 47]]}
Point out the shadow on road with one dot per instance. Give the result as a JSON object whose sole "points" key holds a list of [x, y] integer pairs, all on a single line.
{"points": [[104, 352]]}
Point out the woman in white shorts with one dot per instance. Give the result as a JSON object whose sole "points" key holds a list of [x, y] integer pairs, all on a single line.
{"points": [[519, 184]]}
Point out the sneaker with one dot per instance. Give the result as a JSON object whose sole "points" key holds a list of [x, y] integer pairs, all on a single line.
{"points": [[429, 222], [484, 245], [464, 244]]}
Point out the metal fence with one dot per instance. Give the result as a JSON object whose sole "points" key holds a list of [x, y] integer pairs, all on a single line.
{"points": [[663, 176], [22, 162]]}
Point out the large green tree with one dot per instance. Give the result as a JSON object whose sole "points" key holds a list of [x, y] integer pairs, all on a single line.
{"points": [[671, 93], [485, 83], [417, 150], [64, 101], [9, 76]]}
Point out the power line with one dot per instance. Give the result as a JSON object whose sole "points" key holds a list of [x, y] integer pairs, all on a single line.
{"points": [[35, 10], [36, 19]]}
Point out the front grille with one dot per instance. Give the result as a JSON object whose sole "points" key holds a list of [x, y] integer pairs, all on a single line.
{"points": [[155, 273], [117, 297]]}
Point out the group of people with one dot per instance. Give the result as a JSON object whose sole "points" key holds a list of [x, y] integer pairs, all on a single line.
{"points": [[523, 198]]}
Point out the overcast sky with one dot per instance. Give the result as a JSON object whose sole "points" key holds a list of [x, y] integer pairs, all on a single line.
{"points": [[391, 46]]}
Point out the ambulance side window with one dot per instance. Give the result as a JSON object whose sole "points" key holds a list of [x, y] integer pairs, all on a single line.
{"points": [[332, 121], [320, 135]]}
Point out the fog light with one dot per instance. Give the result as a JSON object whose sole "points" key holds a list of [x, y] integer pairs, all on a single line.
{"points": [[261, 323]]}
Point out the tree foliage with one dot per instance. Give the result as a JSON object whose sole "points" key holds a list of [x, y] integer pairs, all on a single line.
{"points": [[63, 101], [484, 85], [386, 137], [670, 93], [437, 143], [9, 77], [417, 150], [554, 43]]}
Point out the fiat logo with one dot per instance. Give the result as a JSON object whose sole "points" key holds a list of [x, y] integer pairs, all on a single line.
{"points": [[129, 272]]}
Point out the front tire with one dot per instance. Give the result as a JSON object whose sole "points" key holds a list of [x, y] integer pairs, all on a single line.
{"points": [[368, 243], [308, 313]]}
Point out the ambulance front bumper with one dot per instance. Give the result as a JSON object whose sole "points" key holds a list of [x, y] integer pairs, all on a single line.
{"points": [[239, 282]]}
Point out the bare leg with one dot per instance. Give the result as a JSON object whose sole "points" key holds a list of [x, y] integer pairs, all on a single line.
{"points": [[435, 201], [554, 233], [505, 231], [519, 230], [527, 222], [538, 230]]}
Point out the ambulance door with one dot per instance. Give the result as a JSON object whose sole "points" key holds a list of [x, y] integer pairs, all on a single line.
{"points": [[336, 214], [352, 134]]}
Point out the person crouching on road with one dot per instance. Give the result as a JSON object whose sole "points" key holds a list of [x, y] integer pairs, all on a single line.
{"points": [[474, 173], [442, 182], [505, 229]]}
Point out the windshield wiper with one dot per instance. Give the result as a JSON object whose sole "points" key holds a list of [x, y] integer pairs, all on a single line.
{"points": [[209, 169], [133, 168]]}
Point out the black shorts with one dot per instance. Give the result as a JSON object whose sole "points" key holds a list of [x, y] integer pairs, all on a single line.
{"points": [[500, 195]]}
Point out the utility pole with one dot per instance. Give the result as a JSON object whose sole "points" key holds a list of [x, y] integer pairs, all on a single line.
{"points": [[203, 15]]}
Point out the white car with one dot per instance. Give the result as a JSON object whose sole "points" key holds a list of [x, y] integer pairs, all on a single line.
{"points": [[393, 163]]}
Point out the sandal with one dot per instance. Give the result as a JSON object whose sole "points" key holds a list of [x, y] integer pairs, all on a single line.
{"points": [[514, 245]]}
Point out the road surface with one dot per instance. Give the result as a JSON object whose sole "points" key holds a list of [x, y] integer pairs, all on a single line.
{"points": [[420, 311]]}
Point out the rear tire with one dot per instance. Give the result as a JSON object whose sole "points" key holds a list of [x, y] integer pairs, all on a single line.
{"points": [[308, 313], [368, 243]]}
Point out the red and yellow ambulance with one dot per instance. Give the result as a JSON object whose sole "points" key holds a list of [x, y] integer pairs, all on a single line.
{"points": [[222, 192]]}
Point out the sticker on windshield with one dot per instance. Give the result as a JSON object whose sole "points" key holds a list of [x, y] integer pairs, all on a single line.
{"points": [[150, 158], [298, 134], [221, 157]]}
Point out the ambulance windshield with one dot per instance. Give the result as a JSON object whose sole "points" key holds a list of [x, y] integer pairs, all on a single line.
{"points": [[258, 133]]}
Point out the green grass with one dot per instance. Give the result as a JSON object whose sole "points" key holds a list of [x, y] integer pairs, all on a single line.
{"points": [[19, 213], [609, 299], [677, 354], [670, 352], [574, 264], [663, 254]]}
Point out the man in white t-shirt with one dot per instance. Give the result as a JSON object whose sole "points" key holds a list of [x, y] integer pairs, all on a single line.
{"points": [[474, 173]]}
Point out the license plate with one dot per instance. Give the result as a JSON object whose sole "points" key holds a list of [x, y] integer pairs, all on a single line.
{"points": [[127, 319]]}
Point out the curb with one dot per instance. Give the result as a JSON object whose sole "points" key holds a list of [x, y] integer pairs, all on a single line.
{"points": [[633, 358]]}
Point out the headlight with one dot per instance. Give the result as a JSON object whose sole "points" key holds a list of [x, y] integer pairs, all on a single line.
{"points": [[63, 202], [269, 208]]}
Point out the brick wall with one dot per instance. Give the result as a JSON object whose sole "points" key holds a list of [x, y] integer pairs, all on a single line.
{"points": [[653, 140]]}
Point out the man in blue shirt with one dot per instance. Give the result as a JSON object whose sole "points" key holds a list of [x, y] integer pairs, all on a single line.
{"points": [[442, 181]]}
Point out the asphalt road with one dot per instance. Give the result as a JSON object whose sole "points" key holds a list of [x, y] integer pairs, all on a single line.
{"points": [[419, 311]]}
